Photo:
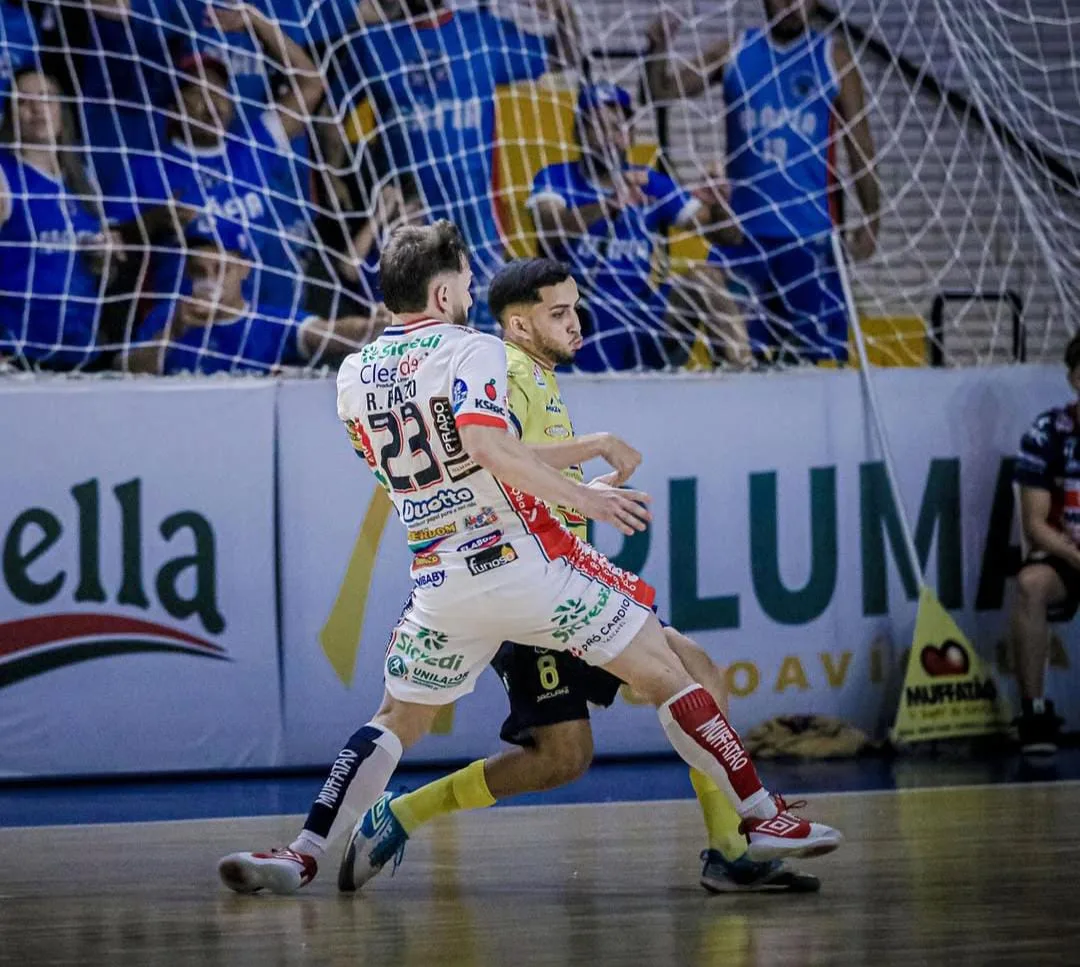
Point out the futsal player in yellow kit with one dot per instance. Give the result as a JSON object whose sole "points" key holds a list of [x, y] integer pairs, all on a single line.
{"points": [[535, 302]]}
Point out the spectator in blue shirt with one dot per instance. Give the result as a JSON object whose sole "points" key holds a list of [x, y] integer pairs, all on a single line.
{"points": [[213, 328], [431, 75], [56, 254], [606, 218], [792, 94], [126, 79], [218, 164]]}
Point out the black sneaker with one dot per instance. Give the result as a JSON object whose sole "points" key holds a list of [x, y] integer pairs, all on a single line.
{"points": [[1039, 727], [746, 876]]}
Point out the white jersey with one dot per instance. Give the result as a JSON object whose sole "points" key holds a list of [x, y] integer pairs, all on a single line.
{"points": [[402, 399]]}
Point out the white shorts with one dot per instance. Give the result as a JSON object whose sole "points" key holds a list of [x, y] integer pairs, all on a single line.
{"points": [[456, 619]]}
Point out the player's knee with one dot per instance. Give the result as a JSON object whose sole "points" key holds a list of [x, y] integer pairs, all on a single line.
{"points": [[564, 752], [409, 721], [1035, 587]]}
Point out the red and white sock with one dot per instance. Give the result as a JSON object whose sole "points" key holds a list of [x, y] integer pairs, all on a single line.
{"points": [[702, 735]]}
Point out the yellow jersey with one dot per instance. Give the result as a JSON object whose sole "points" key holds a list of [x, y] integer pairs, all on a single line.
{"points": [[539, 415]]}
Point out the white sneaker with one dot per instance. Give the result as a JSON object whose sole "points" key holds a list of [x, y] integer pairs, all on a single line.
{"points": [[786, 835], [279, 871]]}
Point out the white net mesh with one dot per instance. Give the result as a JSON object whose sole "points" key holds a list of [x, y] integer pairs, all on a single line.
{"points": [[191, 187]]}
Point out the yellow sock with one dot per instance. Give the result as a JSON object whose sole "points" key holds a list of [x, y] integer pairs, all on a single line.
{"points": [[465, 789], [721, 820]]}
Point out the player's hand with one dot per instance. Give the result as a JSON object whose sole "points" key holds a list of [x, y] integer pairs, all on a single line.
{"points": [[862, 241], [626, 510], [390, 204], [622, 457], [716, 190], [630, 188]]}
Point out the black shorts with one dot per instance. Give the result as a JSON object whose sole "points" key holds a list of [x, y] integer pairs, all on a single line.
{"points": [[1070, 577], [548, 687]]}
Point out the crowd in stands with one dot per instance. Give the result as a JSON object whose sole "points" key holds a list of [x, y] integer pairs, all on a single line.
{"points": [[178, 193]]}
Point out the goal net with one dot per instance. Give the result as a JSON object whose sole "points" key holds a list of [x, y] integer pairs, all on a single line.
{"points": [[190, 187]]}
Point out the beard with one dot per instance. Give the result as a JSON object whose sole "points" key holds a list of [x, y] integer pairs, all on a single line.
{"points": [[459, 316], [557, 354]]}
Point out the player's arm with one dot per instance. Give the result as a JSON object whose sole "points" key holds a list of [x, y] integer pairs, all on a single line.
{"points": [[605, 446], [1035, 506], [515, 464], [331, 340], [111, 9], [556, 220], [147, 353], [482, 421], [667, 82], [1036, 469], [859, 145], [714, 218], [305, 83]]}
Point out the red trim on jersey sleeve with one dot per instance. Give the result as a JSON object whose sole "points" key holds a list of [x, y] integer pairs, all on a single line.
{"points": [[480, 419]]}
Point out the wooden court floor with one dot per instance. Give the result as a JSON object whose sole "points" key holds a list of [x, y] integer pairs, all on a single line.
{"points": [[966, 876]]}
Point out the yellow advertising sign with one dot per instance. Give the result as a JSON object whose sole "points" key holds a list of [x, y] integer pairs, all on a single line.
{"points": [[948, 691]]}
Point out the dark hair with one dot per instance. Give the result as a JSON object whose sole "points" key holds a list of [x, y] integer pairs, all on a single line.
{"points": [[73, 171], [520, 282], [414, 256], [1072, 353]]}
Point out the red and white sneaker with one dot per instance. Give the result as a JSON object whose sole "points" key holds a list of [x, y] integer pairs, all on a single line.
{"points": [[787, 835], [279, 871]]}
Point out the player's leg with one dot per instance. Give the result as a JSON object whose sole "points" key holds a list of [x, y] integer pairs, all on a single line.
{"points": [[751, 287], [699, 303], [549, 726], [808, 283], [726, 867], [1041, 584], [700, 732], [433, 658], [357, 778]]}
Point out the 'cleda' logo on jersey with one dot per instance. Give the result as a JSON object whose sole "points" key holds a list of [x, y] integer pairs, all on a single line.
{"points": [[442, 502]]}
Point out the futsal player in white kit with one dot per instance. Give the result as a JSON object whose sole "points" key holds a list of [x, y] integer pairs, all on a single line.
{"points": [[425, 408]]}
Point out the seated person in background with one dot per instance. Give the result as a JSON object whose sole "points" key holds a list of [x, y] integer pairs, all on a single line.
{"points": [[18, 45], [431, 74], [605, 218], [56, 254], [212, 328], [791, 93], [220, 164], [1048, 472]]}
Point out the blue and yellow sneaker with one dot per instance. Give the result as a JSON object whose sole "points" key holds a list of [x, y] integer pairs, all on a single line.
{"points": [[744, 875], [376, 839]]}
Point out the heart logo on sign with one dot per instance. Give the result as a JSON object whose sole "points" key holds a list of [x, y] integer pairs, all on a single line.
{"points": [[950, 659]]}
